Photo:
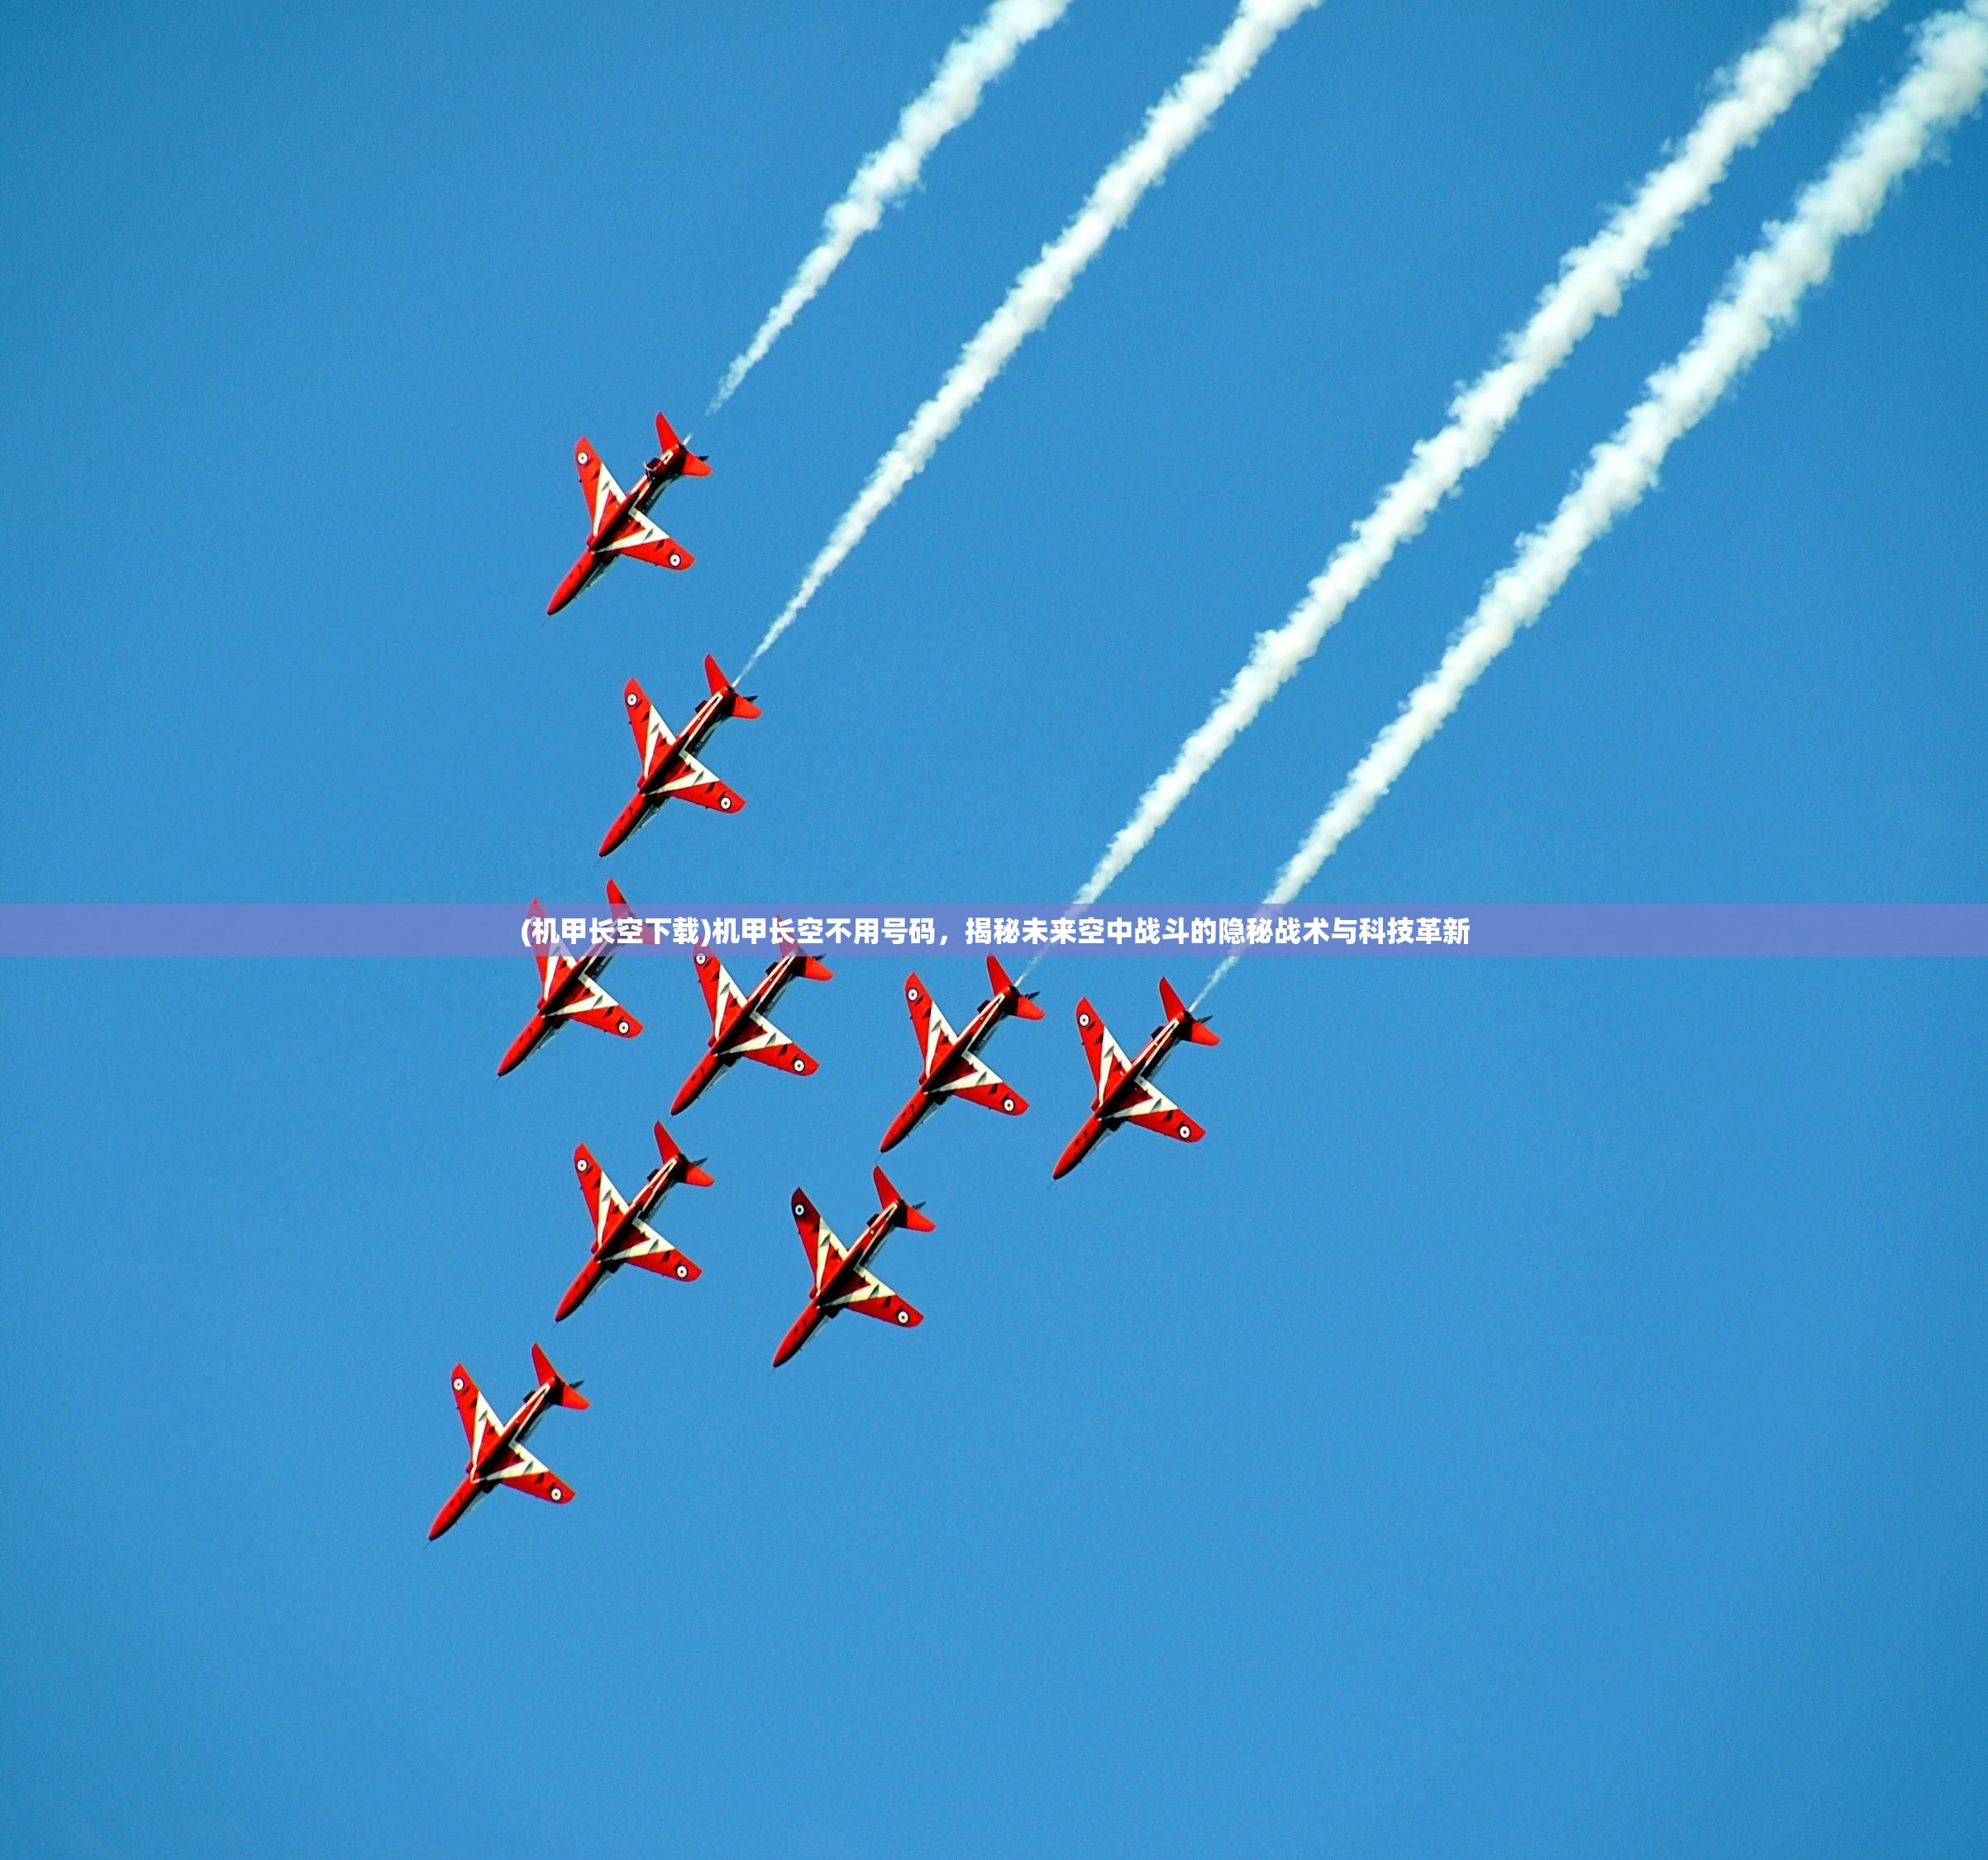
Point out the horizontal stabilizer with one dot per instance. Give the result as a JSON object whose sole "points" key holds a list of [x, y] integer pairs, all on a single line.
{"points": [[888, 1197], [563, 1391], [667, 1147], [1025, 1005], [1199, 1031], [741, 705], [667, 442]]}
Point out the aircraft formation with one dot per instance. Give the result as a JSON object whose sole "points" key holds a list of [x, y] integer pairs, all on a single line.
{"points": [[950, 1065]]}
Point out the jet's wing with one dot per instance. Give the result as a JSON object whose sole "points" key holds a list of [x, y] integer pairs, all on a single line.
{"points": [[874, 1298], [694, 782], [523, 1473], [597, 1007], [1108, 1064], [652, 735], [1156, 1111], [645, 542], [479, 1419], [641, 1245], [985, 1087], [825, 1253], [596, 485], [604, 1201], [553, 959], [759, 1038], [722, 1000], [927, 1021], [599, 955]]}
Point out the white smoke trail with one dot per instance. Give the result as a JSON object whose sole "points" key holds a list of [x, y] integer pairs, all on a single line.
{"points": [[1169, 127], [972, 62], [1592, 277], [1758, 301]]}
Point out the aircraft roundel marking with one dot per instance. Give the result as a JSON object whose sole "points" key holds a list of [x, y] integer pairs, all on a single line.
{"points": [[799, 1210], [558, 1496], [682, 1272], [582, 1166], [903, 1317], [800, 1066], [631, 700], [911, 994], [1008, 1104], [1187, 1130], [459, 1384], [1083, 1020], [676, 560], [583, 458], [621, 1027], [725, 802]]}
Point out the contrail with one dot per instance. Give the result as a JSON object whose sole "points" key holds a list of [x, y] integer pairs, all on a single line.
{"points": [[1171, 126], [1758, 301], [972, 62], [1749, 97]]}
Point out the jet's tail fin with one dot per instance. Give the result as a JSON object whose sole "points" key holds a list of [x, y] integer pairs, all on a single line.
{"points": [[1024, 1004], [741, 705], [812, 966], [888, 1196], [668, 1148], [667, 440], [566, 1394], [1199, 1031]]}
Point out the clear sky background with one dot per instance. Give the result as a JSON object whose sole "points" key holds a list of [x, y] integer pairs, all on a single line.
{"points": [[1548, 1414]]}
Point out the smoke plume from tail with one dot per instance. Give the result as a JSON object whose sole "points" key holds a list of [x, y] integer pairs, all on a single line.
{"points": [[1171, 126], [973, 61], [1592, 277], [1759, 301]]}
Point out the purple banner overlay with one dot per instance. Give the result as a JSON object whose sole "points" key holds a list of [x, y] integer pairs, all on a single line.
{"points": [[1443, 932]]}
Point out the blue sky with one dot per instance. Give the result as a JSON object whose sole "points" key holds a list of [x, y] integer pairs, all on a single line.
{"points": [[1545, 1416]]}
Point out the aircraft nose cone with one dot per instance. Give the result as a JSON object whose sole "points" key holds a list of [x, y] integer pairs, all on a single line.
{"points": [[514, 1056], [1073, 1152], [800, 1331]]}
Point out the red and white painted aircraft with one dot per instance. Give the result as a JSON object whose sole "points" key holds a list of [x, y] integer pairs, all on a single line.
{"points": [[671, 769], [496, 1448], [739, 1027], [842, 1279], [1126, 1092], [569, 989], [622, 1234], [618, 521], [951, 1066]]}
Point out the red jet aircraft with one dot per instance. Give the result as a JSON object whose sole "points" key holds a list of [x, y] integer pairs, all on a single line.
{"points": [[951, 1066], [671, 769], [1126, 1092], [622, 1234], [568, 989], [618, 521], [842, 1279], [739, 1027], [496, 1448]]}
